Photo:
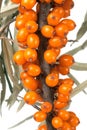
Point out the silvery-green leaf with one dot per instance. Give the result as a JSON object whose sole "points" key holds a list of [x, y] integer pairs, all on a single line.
{"points": [[21, 104], [3, 85], [82, 29], [13, 97], [21, 122]]}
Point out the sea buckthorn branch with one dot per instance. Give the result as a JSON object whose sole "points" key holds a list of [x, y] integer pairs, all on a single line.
{"points": [[41, 34]]}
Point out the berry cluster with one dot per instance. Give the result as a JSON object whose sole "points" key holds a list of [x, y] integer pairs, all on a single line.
{"points": [[54, 30]]}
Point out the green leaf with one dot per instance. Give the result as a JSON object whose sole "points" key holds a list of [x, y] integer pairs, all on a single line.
{"points": [[10, 9], [22, 103], [13, 97], [82, 29], [21, 122], [3, 82]]}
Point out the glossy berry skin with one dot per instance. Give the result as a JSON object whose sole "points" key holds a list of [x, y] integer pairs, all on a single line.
{"points": [[19, 58], [64, 115], [59, 105], [63, 70], [23, 75], [33, 70], [59, 10], [70, 24], [74, 121], [31, 97], [33, 41], [61, 30], [30, 55], [42, 127], [22, 35], [66, 60], [57, 122], [47, 31], [68, 4], [30, 15], [63, 98], [46, 107], [31, 26], [65, 89], [40, 116], [28, 4], [16, 1], [55, 42], [53, 19], [66, 126], [50, 56], [52, 79], [30, 83], [58, 1]]}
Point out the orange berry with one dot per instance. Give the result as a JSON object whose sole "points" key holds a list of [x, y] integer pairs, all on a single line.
{"points": [[52, 79], [16, 1], [66, 126], [22, 35], [74, 121], [59, 105], [30, 55], [63, 98], [23, 75], [55, 42], [50, 56], [33, 70], [33, 41], [20, 22], [47, 31], [70, 23], [66, 60], [58, 1], [30, 15], [67, 81], [31, 26], [31, 97], [19, 57], [61, 30], [53, 18], [64, 115], [63, 69], [66, 13], [57, 122], [30, 83], [40, 116], [59, 11], [25, 66], [65, 89], [46, 107], [28, 4], [68, 4], [21, 9], [42, 127]]}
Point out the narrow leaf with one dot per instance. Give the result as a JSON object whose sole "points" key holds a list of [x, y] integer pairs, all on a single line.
{"points": [[77, 49], [11, 100], [21, 122], [82, 29], [79, 66], [3, 82], [10, 9], [79, 88], [22, 103]]}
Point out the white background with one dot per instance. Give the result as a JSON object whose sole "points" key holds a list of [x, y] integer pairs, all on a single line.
{"points": [[79, 102]]}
